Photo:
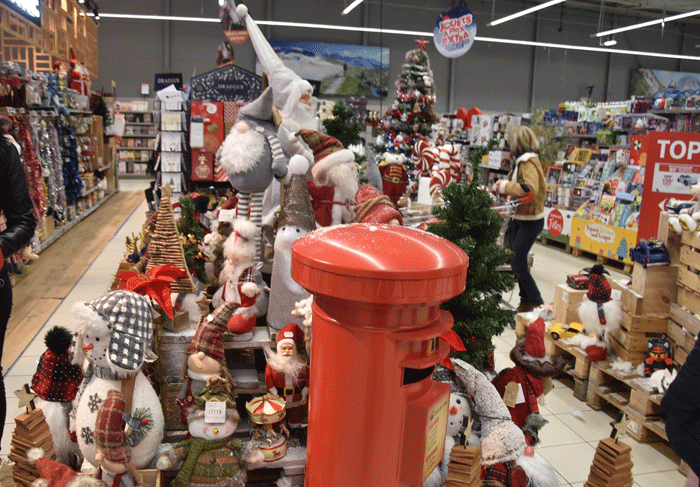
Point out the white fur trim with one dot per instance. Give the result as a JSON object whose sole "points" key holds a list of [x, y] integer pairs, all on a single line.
{"points": [[245, 228], [250, 289], [588, 314], [246, 312], [34, 454], [502, 186], [526, 156], [85, 318], [320, 168], [538, 470], [285, 340], [242, 11]]}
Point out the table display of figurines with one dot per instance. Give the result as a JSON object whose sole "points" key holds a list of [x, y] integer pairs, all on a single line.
{"points": [[267, 411]]}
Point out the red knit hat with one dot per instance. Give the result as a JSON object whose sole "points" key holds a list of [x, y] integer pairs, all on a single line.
{"points": [[208, 338], [328, 152], [379, 213], [290, 334], [56, 378], [534, 341], [110, 436], [57, 474]]}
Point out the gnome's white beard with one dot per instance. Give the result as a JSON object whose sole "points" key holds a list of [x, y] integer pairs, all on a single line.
{"points": [[292, 365], [240, 151], [300, 115], [344, 179]]}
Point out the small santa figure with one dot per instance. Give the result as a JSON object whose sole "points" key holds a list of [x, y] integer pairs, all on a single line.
{"points": [[205, 357], [600, 313], [56, 474], [287, 373], [113, 451], [374, 207], [394, 175], [522, 385], [335, 172]]}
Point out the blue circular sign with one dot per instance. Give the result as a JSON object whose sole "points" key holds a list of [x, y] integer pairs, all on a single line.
{"points": [[455, 31]]}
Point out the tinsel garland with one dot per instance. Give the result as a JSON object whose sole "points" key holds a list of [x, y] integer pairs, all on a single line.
{"points": [[57, 170], [69, 152], [32, 167], [44, 152]]}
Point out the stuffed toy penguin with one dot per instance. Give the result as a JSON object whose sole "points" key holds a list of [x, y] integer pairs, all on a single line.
{"points": [[506, 458], [296, 219], [600, 313], [56, 383], [211, 456], [115, 335], [522, 385]]}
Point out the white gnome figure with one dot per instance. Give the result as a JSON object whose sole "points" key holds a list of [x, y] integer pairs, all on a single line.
{"points": [[296, 219], [242, 281], [56, 384], [459, 409], [211, 455], [115, 335]]}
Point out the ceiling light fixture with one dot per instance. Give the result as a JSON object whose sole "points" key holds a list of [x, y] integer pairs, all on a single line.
{"points": [[648, 23], [527, 11], [349, 8], [495, 40], [610, 42], [97, 15]]}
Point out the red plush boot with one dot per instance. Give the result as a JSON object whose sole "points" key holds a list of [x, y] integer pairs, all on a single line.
{"points": [[244, 318]]}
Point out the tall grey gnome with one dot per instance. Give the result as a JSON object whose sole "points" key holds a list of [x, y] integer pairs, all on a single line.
{"points": [[296, 219]]}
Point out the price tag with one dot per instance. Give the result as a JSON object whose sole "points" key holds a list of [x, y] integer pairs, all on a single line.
{"points": [[616, 294], [227, 215], [215, 412]]}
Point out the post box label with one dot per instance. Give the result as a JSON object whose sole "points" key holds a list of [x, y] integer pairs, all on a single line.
{"points": [[436, 429]]}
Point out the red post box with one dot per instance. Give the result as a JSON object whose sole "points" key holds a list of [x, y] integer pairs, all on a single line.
{"points": [[376, 418]]}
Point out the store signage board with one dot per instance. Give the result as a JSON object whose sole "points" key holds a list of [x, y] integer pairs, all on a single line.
{"points": [[163, 80], [227, 83], [455, 31], [233, 26], [673, 166], [29, 9]]}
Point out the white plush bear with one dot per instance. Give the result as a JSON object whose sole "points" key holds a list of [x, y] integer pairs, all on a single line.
{"points": [[688, 218]]}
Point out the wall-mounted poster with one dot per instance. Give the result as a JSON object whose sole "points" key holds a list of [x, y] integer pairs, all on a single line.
{"points": [[646, 82], [29, 9], [342, 69]]}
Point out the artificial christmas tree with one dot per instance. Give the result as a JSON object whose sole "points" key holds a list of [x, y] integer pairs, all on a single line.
{"points": [[165, 246], [411, 115], [191, 235], [468, 220]]}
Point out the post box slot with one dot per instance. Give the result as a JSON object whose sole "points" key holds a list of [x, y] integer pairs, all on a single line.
{"points": [[411, 376]]}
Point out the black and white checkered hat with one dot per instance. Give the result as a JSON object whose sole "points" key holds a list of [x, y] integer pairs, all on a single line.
{"points": [[130, 319]]}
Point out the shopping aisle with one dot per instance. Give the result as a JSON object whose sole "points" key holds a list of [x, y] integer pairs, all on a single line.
{"points": [[568, 443]]}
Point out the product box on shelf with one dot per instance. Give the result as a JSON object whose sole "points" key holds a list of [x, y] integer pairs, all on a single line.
{"points": [[212, 117], [566, 303], [482, 130]]}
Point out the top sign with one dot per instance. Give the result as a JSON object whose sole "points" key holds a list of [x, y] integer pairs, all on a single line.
{"points": [[455, 31]]}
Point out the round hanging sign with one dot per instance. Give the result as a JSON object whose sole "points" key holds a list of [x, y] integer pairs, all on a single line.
{"points": [[455, 31], [233, 26]]}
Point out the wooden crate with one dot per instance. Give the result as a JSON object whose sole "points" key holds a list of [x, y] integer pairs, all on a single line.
{"points": [[636, 357], [688, 299], [657, 285], [578, 359], [679, 336], [566, 302], [671, 239], [634, 341], [685, 319], [580, 388], [644, 323], [643, 404]]}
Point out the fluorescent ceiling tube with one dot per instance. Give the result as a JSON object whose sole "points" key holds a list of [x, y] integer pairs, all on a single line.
{"points": [[375, 30], [527, 11], [350, 7], [648, 23], [610, 42]]}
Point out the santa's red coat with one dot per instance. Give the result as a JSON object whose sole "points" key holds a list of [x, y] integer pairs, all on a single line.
{"points": [[532, 388], [278, 380]]}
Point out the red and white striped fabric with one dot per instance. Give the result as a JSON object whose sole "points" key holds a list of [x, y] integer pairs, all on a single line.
{"points": [[440, 178], [423, 157]]}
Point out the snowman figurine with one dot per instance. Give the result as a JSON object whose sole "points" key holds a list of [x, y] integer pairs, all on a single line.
{"points": [[211, 456], [115, 333], [296, 219]]}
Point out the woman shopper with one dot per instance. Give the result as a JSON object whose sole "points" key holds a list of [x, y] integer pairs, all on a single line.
{"points": [[526, 181], [16, 204]]}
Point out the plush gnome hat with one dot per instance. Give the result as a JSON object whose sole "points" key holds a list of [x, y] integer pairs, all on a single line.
{"points": [[56, 378], [290, 334], [128, 316], [260, 108], [110, 436], [287, 86], [208, 338], [297, 210], [57, 474], [328, 152], [374, 207], [531, 355], [599, 290], [217, 389]]}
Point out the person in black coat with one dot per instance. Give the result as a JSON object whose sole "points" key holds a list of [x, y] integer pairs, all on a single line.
{"points": [[16, 204], [681, 404]]}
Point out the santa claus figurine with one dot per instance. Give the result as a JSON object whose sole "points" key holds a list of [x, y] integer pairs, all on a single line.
{"points": [[287, 373], [335, 172], [374, 207], [600, 313], [522, 385]]}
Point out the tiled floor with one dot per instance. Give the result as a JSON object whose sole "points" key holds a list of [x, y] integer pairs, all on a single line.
{"points": [[567, 443]]}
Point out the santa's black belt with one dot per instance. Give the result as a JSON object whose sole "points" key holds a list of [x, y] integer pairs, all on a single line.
{"points": [[290, 391]]}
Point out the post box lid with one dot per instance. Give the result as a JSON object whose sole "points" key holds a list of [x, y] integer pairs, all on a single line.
{"points": [[326, 260]]}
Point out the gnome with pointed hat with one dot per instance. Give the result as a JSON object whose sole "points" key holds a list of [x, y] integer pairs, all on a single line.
{"points": [[599, 313], [292, 94], [205, 357], [522, 385], [296, 219], [335, 171], [287, 373]]}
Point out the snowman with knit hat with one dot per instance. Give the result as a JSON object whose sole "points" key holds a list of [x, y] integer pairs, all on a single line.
{"points": [[296, 219], [56, 383], [335, 171], [600, 313], [205, 357], [287, 373], [115, 335]]}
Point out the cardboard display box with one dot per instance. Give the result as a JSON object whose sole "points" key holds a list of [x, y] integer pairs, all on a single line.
{"points": [[657, 285], [566, 302]]}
